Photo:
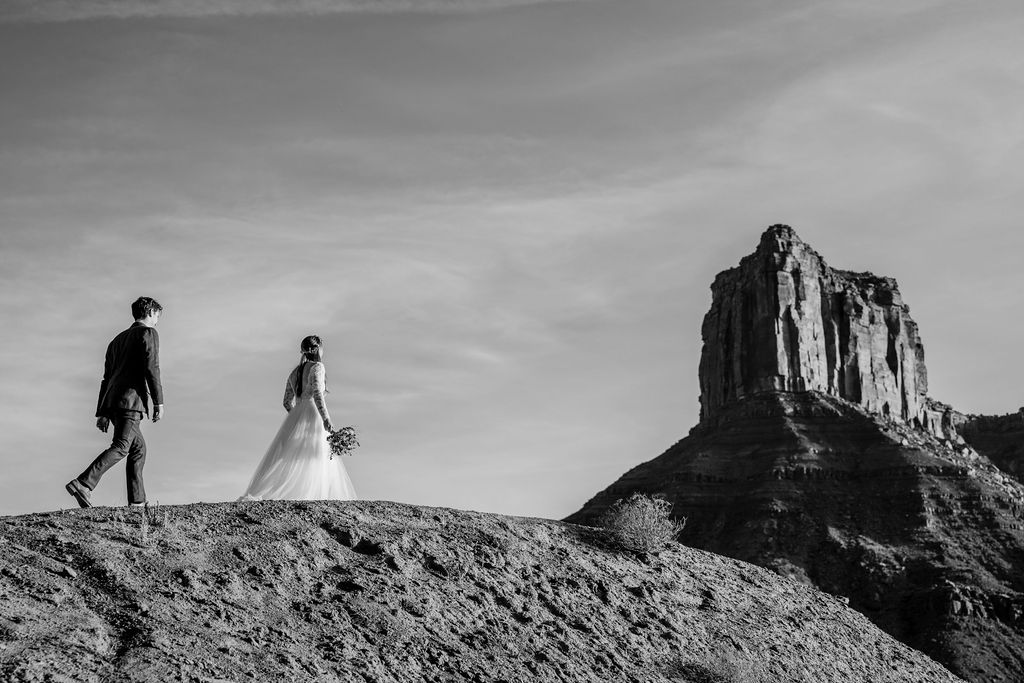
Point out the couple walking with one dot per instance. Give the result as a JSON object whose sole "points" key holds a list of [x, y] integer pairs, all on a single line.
{"points": [[296, 466]]}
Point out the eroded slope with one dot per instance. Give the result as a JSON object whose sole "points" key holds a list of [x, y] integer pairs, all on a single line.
{"points": [[369, 591]]}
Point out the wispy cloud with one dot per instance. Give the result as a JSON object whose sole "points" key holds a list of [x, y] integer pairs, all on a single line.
{"points": [[35, 11]]}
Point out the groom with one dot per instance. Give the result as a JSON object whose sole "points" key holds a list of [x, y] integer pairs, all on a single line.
{"points": [[131, 374]]}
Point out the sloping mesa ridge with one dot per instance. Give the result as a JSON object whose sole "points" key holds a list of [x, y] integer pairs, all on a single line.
{"points": [[376, 591]]}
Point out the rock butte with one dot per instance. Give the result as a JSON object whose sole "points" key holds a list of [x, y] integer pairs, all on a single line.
{"points": [[820, 455], [784, 320]]}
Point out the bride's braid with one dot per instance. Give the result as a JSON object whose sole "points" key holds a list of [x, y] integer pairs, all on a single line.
{"points": [[310, 353]]}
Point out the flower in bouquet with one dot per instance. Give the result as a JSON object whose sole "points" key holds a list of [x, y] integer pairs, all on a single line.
{"points": [[342, 441]]}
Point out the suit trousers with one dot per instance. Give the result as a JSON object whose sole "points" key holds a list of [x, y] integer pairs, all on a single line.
{"points": [[127, 442]]}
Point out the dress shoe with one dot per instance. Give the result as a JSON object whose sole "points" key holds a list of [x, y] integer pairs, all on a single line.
{"points": [[80, 492]]}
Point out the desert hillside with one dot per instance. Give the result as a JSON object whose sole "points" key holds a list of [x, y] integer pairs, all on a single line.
{"points": [[820, 455], [376, 591]]}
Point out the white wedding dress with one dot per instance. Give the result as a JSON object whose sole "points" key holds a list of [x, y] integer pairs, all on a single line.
{"points": [[298, 463]]}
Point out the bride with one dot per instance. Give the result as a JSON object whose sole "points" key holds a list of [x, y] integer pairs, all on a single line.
{"points": [[298, 463]]}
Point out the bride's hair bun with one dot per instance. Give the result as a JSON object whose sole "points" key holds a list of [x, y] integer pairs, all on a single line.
{"points": [[311, 343]]}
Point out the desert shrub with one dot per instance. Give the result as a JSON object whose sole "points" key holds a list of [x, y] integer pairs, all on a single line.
{"points": [[145, 525], [725, 668], [641, 523]]}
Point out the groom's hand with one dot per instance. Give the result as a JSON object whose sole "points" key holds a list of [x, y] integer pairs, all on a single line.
{"points": [[103, 424], [158, 412]]}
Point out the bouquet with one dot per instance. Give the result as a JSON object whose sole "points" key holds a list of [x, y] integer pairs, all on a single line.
{"points": [[342, 441]]}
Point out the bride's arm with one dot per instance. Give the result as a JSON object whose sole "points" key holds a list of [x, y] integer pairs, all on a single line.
{"points": [[319, 385], [289, 393]]}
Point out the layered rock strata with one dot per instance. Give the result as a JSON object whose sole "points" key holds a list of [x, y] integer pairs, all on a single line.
{"points": [[820, 455], [1000, 438]]}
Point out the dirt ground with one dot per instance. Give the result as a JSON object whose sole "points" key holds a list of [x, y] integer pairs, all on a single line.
{"points": [[379, 591]]}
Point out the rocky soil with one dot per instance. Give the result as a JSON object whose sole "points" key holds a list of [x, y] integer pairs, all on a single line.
{"points": [[375, 591]]}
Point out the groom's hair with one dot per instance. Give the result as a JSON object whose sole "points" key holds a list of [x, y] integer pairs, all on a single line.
{"points": [[143, 307]]}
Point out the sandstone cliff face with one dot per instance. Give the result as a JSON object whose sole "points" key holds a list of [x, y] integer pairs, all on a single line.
{"points": [[381, 592], [1000, 438], [820, 455], [783, 320]]}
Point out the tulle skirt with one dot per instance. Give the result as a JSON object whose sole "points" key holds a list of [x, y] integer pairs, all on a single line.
{"points": [[298, 464]]}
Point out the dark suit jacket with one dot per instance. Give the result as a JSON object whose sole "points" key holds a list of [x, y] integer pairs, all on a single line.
{"points": [[131, 373]]}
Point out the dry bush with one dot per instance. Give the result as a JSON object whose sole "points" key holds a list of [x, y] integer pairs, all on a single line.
{"points": [[641, 523], [146, 525]]}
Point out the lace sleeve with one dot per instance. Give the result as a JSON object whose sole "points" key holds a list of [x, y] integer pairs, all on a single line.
{"points": [[319, 386], [289, 392]]}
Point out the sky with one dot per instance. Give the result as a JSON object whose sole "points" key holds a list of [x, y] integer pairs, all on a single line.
{"points": [[502, 217]]}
